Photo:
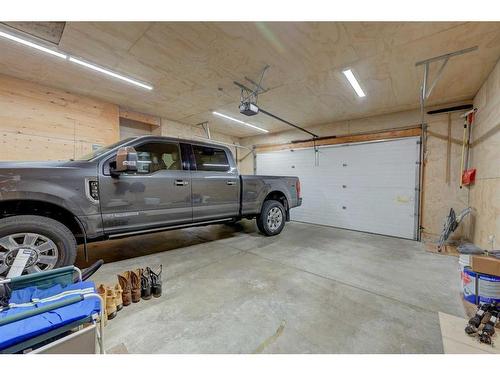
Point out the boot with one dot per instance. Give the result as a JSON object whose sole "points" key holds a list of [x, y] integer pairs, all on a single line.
{"points": [[155, 281], [489, 328], [110, 302], [119, 299], [135, 278], [476, 320], [101, 290], [146, 284], [126, 285]]}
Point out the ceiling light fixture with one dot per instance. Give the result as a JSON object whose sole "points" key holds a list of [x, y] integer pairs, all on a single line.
{"points": [[33, 45], [109, 73], [354, 83], [64, 56], [240, 122]]}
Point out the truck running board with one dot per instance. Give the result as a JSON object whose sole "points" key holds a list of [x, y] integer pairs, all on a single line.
{"points": [[172, 227]]}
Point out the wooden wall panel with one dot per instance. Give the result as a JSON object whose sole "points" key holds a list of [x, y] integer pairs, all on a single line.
{"points": [[485, 157], [439, 194], [41, 123]]}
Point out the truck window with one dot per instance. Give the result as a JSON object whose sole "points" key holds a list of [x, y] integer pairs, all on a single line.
{"points": [[155, 156], [210, 159]]}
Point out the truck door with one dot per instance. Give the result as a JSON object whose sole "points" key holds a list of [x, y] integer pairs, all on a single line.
{"points": [[216, 184], [158, 194]]}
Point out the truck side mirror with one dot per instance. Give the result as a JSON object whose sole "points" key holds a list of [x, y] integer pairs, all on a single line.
{"points": [[126, 160]]}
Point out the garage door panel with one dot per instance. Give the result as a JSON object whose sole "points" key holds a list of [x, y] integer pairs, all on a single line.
{"points": [[372, 215], [368, 187]]}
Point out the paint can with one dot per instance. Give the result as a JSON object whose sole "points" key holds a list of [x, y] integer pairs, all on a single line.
{"points": [[489, 287], [463, 261]]}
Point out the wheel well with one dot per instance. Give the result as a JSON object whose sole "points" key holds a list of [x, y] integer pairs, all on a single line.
{"points": [[53, 211], [280, 197]]}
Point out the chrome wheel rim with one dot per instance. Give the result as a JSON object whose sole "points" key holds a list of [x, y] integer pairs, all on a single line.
{"points": [[44, 252], [274, 218]]}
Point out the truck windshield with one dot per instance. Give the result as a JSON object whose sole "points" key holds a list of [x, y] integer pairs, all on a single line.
{"points": [[103, 149]]}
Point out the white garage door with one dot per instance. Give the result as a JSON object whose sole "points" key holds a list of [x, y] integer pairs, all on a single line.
{"points": [[369, 187]]}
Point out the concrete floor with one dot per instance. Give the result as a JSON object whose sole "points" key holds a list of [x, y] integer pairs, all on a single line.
{"points": [[312, 289]]}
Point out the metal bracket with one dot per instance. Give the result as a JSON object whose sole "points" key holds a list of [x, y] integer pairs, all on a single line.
{"points": [[425, 93], [249, 95], [204, 125]]}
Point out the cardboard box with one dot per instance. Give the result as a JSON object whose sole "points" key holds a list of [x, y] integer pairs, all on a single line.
{"points": [[487, 265]]}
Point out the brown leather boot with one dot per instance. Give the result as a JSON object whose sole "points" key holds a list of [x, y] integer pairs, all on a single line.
{"points": [[135, 278], [110, 302], [119, 299], [101, 290], [126, 285]]}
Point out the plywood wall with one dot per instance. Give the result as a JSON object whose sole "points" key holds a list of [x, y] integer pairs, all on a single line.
{"points": [[485, 156], [439, 195], [42, 123]]}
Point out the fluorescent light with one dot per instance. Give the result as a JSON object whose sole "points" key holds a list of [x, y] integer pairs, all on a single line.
{"points": [[110, 73], [33, 45], [240, 122], [354, 83]]}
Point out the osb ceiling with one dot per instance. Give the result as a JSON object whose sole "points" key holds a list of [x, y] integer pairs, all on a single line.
{"points": [[192, 67]]}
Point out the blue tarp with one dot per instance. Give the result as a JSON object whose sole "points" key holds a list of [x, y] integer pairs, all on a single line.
{"points": [[22, 330]]}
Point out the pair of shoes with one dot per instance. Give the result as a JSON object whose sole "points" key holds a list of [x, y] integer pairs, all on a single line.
{"points": [[150, 282], [130, 282], [112, 299], [140, 283]]}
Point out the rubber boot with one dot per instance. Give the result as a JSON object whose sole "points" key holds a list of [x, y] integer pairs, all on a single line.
{"points": [[126, 285]]}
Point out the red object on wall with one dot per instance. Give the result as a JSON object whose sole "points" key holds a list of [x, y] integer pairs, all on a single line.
{"points": [[469, 176]]}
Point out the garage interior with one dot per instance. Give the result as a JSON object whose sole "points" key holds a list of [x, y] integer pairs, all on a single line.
{"points": [[358, 268]]}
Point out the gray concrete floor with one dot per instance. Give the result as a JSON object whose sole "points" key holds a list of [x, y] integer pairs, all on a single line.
{"points": [[312, 289]]}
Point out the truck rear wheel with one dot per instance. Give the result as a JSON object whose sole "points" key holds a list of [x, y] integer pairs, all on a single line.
{"points": [[52, 243], [271, 220]]}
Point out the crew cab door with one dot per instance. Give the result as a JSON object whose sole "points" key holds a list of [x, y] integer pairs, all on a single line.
{"points": [[216, 184], [157, 195]]}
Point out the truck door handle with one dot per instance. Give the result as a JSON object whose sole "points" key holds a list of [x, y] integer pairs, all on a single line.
{"points": [[181, 183], [231, 182]]}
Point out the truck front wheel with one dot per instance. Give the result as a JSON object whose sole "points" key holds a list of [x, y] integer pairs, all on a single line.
{"points": [[51, 243], [272, 218]]}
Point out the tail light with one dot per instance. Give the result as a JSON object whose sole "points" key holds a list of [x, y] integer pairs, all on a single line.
{"points": [[297, 187]]}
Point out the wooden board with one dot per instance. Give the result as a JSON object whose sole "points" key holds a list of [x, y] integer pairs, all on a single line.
{"points": [[41, 123], [343, 139], [445, 250], [485, 156], [140, 117], [456, 341]]}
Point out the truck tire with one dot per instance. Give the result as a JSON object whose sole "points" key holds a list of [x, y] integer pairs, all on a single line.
{"points": [[271, 220], [53, 243]]}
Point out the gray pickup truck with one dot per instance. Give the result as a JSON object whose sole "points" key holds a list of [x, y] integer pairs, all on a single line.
{"points": [[138, 185]]}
